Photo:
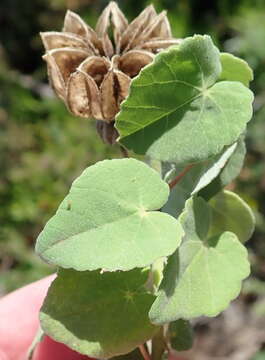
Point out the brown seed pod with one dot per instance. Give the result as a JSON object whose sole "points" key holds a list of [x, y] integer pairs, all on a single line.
{"points": [[92, 73]]}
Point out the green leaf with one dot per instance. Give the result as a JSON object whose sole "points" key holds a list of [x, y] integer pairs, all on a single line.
{"points": [[107, 220], [180, 335], [230, 171], [198, 177], [178, 112], [99, 315], [235, 69], [231, 213], [204, 274]]}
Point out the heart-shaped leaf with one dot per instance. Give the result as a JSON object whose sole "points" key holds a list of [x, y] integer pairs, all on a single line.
{"points": [[107, 220], [231, 213], [99, 315], [235, 69], [178, 111], [204, 274]]}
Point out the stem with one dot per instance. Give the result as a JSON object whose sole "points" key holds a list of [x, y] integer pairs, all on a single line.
{"points": [[124, 152], [38, 338], [180, 176], [107, 132], [144, 352], [159, 345]]}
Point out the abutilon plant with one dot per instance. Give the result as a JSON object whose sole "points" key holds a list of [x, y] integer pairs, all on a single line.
{"points": [[144, 247]]}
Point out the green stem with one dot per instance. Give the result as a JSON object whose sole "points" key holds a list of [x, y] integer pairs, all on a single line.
{"points": [[158, 345], [37, 339]]}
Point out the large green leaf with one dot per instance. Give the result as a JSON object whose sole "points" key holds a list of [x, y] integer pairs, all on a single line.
{"points": [[235, 69], [231, 213], [100, 315], [204, 274], [178, 111], [227, 174], [197, 178], [107, 220]]}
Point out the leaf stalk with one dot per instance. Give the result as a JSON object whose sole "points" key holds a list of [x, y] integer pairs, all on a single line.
{"points": [[179, 177], [144, 352]]}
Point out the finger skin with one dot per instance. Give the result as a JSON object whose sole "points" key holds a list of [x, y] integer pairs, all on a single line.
{"points": [[49, 349], [19, 323]]}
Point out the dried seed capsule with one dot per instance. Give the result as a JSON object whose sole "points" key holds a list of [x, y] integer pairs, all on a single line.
{"points": [[91, 73]]}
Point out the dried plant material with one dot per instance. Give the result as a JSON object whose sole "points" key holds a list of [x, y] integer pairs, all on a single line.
{"points": [[107, 131], [133, 61], [91, 72]]}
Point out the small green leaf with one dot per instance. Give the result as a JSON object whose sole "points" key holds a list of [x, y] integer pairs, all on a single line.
{"points": [[178, 111], [180, 335], [107, 221], [235, 69], [197, 178], [99, 315], [231, 213], [230, 171], [204, 274]]}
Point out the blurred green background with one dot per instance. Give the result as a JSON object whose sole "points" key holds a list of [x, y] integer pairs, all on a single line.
{"points": [[43, 148]]}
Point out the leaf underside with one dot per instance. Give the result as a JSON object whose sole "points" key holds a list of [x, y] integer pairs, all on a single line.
{"points": [[230, 171], [200, 176]]}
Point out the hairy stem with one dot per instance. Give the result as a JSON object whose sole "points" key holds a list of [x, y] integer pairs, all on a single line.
{"points": [[124, 152], [144, 352], [179, 177], [158, 345]]}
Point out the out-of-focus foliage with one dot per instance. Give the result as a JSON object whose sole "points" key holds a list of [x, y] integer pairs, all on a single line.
{"points": [[43, 148]]}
